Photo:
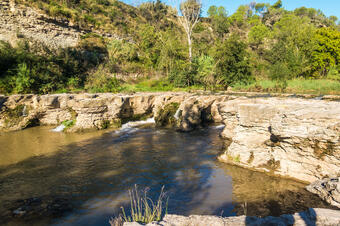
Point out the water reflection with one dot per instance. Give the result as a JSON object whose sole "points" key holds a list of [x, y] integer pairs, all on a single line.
{"points": [[90, 175]]}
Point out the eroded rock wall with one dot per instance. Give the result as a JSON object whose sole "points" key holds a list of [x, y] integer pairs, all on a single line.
{"points": [[288, 137]]}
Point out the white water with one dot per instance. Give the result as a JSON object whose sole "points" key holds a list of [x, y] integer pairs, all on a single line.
{"points": [[24, 111], [130, 127], [220, 127], [177, 114], [59, 128]]}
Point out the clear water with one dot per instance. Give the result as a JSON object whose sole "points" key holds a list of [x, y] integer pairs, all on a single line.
{"points": [[83, 179]]}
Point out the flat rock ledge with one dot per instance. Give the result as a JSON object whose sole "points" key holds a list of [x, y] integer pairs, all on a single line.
{"points": [[328, 190], [319, 217]]}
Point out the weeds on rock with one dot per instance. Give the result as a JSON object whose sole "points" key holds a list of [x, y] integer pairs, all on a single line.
{"points": [[142, 208]]}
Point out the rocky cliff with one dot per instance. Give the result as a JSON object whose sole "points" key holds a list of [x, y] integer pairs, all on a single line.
{"points": [[18, 22], [291, 137]]}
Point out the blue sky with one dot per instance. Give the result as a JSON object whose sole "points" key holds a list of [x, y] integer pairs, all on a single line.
{"points": [[328, 7]]}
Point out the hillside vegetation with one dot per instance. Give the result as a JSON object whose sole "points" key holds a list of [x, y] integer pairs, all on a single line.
{"points": [[261, 47]]}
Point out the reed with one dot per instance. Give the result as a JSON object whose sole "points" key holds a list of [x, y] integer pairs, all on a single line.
{"points": [[142, 208]]}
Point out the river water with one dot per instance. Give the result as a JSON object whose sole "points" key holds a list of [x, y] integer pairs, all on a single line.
{"points": [[49, 178]]}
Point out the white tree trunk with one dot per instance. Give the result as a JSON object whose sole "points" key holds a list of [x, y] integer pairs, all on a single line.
{"points": [[190, 47]]}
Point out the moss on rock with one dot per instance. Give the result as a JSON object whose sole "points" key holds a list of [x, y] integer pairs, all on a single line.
{"points": [[14, 116], [166, 116]]}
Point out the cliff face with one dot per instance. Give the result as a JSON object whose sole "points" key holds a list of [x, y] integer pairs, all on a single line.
{"points": [[287, 137], [292, 137], [23, 22]]}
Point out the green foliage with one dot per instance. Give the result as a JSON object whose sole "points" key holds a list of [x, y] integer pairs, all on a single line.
{"points": [[232, 62], [68, 123], [102, 81], [277, 4], [121, 55], [23, 80], [334, 73], [291, 55], [327, 51], [205, 71], [219, 19], [313, 86], [166, 115], [259, 41], [258, 33], [239, 17]]}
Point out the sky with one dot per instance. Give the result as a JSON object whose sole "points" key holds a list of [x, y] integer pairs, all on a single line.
{"points": [[328, 7]]}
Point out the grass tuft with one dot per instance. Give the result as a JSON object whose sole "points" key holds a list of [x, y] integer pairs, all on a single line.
{"points": [[142, 208]]}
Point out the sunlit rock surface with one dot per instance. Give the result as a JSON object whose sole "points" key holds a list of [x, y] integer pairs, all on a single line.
{"points": [[328, 190], [320, 217], [296, 138]]}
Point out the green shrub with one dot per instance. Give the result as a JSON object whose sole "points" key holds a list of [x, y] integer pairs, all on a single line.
{"points": [[233, 64], [334, 73], [23, 79], [102, 81], [68, 123]]}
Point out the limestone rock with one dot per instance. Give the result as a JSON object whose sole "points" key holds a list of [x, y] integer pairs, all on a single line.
{"points": [[295, 138], [320, 217], [328, 189]]}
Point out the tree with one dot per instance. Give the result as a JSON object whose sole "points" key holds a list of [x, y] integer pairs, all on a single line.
{"points": [[257, 34], [232, 62], [278, 4], [219, 19], [327, 52], [191, 11], [205, 71]]}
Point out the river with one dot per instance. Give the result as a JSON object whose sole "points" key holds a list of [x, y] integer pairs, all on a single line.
{"points": [[49, 178]]}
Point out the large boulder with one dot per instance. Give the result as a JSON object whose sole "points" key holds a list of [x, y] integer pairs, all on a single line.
{"points": [[295, 138]]}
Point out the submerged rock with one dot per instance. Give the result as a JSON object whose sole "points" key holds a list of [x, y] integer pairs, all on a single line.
{"points": [[320, 217], [328, 190]]}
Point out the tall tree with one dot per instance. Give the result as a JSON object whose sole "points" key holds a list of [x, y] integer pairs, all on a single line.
{"points": [[190, 15]]}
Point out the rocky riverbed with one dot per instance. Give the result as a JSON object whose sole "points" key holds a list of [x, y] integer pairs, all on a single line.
{"points": [[282, 136]]}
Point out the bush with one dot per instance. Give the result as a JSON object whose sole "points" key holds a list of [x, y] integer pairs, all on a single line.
{"points": [[233, 64], [101, 81], [334, 73], [23, 79], [205, 71]]}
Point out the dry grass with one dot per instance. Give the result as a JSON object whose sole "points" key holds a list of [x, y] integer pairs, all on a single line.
{"points": [[142, 208]]}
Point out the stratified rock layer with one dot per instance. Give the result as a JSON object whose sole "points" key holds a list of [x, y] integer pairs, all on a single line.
{"points": [[320, 217], [296, 138]]}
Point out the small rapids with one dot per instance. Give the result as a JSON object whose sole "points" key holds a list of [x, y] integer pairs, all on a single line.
{"points": [[131, 127], [220, 127], [59, 128]]}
